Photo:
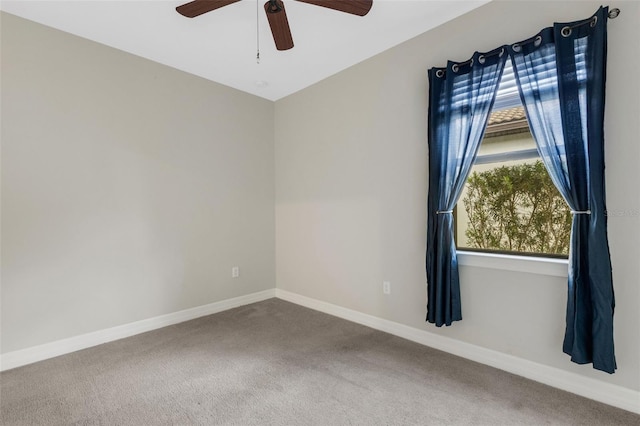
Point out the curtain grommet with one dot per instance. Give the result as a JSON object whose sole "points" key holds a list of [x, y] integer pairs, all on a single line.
{"points": [[501, 53], [594, 21], [481, 59], [455, 68], [538, 41], [566, 31], [471, 62], [516, 47], [439, 73]]}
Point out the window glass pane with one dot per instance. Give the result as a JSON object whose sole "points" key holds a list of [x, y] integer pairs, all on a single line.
{"points": [[509, 203]]}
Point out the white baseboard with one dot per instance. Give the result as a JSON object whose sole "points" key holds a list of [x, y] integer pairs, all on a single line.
{"points": [[33, 354], [597, 390]]}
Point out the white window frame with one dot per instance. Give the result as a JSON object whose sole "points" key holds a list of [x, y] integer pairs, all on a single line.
{"points": [[551, 266]]}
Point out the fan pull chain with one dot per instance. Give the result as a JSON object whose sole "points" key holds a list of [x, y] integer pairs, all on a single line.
{"points": [[258, 31]]}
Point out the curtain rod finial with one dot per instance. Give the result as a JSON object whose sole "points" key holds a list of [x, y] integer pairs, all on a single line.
{"points": [[613, 13]]}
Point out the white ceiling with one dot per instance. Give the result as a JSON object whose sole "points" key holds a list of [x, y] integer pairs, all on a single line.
{"points": [[221, 45]]}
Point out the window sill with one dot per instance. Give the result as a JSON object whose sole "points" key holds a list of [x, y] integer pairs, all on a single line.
{"points": [[505, 262]]}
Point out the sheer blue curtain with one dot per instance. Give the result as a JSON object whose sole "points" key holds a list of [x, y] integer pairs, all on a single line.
{"points": [[561, 77], [460, 99]]}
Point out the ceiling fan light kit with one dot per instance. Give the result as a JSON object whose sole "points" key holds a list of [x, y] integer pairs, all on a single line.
{"points": [[276, 14]]}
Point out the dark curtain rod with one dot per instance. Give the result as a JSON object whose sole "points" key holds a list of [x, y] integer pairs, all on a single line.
{"points": [[566, 31]]}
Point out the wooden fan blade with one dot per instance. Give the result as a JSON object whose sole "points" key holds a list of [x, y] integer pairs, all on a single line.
{"points": [[279, 24], [198, 7], [355, 7]]}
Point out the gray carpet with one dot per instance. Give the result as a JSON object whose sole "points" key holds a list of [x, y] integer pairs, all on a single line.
{"points": [[276, 363]]}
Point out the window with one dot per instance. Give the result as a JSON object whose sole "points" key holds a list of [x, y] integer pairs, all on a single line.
{"points": [[509, 203]]}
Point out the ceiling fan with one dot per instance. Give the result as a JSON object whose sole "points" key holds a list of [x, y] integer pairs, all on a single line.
{"points": [[276, 14]]}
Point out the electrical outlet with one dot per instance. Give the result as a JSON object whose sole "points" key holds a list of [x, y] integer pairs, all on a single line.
{"points": [[235, 272], [386, 287]]}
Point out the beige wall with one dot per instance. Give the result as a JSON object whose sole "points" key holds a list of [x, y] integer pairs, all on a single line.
{"points": [[351, 185], [129, 189]]}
